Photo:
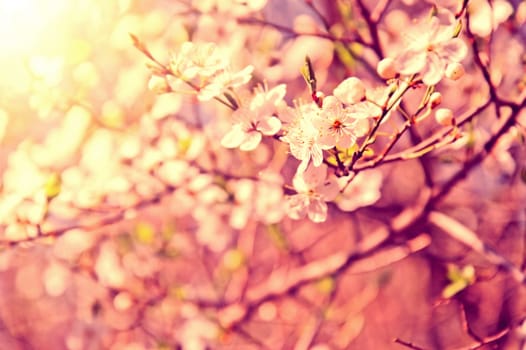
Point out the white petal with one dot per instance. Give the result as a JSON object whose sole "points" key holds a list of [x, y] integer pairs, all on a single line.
{"points": [[434, 70], [317, 155], [252, 140], [329, 189], [328, 140], [351, 90], [317, 210], [315, 175], [455, 50], [303, 165], [296, 206], [363, 190], [269, 125], [277, 93], [210, 91], [411, 62], [346, 141], [234, 137]]}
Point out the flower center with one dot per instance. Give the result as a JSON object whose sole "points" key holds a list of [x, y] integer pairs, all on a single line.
{"points": [[337, 126]]}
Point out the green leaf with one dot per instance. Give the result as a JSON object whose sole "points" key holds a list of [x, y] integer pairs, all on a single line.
{"points": [[277, 236], [183, 144], [144, 233], [453, 288], [308, 74], [332, 160], [458, 29], [52, 186], [459, 278], [233, 259], [344, 54], [326, 284]]}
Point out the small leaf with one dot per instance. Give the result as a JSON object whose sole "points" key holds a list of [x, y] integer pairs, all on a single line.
{"points": [[140, 46], [453, 288], [183, 144], [277, 236], [326, 285], [459, 278], [345, 10], [308, 74], [232, 100], [368, 152], [145, 233], [233, 259], [52, 186], [344, 55], [332, 160], [458, 29]]}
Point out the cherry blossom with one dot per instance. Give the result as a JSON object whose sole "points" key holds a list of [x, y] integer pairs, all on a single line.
{"points": [[169, 218], [197, 59], [361, 191], [335, 124], [255, 120], [303, 136], [314, 189], [431, 46], [350, 91], [486, 16], [257, 200], [224, 81]]}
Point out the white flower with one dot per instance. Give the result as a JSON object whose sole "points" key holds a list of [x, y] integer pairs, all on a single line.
{"points": [[314, 189], [224, 81], [485, 18], [303, 136], [257, 200], [430, 48], [363, 190], [444, 116], [193, 59], [349, 91], [256, 120], [386, 68], [335, 124], [455, 71]]}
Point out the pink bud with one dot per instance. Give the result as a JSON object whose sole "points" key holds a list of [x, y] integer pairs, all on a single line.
{"points": [[158, 84], [350, 91], [435, 99], [386, 68], [444, 116], [454, 71]]}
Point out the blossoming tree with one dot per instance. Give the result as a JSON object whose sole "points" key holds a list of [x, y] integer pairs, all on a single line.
{"points": [[268, 175]]}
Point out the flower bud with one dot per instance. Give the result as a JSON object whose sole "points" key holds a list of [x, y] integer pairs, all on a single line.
{"points": [[444, 116], [454, 71], [386, 68], [435, 99], [350, 91], [318, 97], [158, 84]]}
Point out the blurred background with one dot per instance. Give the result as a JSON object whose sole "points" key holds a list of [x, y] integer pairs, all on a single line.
{"points": [[133, 263]]}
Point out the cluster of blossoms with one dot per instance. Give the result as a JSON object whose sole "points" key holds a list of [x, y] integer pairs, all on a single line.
{"points": [[205, 67], [432, 50], [314, 131], [255, 120], [171, 220], [326, 127]]}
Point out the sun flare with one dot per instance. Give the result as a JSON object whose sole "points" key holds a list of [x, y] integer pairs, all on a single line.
{"points": [[24, 24]]}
